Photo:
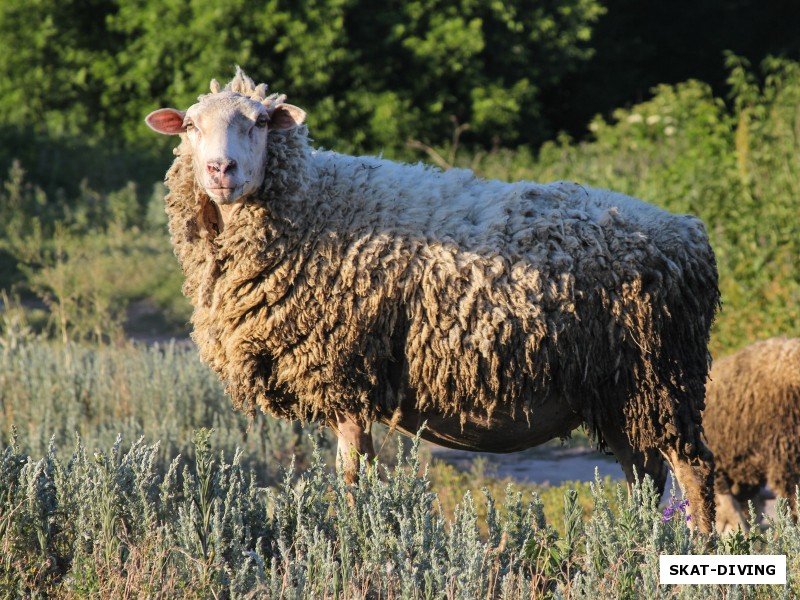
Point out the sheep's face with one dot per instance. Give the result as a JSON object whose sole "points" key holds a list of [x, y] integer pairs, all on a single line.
{"points": [[227, 134]]}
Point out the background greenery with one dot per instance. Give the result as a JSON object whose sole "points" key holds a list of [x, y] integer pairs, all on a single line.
{"points": [[78, 76], [692, 106], [98, 262]]}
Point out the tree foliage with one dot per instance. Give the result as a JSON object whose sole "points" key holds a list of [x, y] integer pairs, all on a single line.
{"points": [[48, 50], [78, 75], [371, 75]]}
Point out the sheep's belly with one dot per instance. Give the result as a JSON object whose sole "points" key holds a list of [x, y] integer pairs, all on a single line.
{"points": [[499, 433]]}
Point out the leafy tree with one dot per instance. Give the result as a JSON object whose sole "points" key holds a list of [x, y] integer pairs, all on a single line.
{"points": [[371, 75], [640, 45], [419, 68], [174, 48], [50, 94], [47, 49]]}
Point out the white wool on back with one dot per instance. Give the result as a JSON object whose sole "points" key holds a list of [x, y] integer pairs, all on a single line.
{"points": [[473, 212]]}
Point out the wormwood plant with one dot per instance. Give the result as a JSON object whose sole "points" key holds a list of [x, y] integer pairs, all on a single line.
{"points": [[108, 523], [50, 390], [197, 515]]}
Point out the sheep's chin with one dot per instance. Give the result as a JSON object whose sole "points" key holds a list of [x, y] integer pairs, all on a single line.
{"points": [[225, 195]]}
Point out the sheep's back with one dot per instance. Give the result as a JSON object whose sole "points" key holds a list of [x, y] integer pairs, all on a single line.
{"points": [[564, 292], [527, 293]]}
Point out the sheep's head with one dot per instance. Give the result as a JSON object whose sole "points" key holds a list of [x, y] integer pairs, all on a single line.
{"points": [[227, 134]]}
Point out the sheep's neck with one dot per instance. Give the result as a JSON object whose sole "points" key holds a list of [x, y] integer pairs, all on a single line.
{"points": [[226, 213]]}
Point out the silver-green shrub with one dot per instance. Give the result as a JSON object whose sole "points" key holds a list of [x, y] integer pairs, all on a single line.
{"points": [[163, 392], [108, 523], [148, 503]]}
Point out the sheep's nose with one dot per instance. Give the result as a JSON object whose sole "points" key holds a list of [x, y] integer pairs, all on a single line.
{"points": [[220, 166]]}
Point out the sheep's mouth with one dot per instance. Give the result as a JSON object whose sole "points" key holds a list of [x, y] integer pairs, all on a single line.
{"points": [[223, 194]]}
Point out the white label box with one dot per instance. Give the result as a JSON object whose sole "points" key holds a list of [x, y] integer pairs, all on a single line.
{"points": [[738, 569]]}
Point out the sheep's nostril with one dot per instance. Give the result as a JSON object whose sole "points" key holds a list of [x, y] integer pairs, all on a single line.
{"points": [[223, 166]]}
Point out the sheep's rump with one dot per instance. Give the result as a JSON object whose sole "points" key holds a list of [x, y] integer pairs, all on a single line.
{"points": [[752, 416], [353, 284]]}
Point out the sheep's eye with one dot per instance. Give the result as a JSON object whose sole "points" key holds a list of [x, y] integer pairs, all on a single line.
{"points": [[262, 121], [188, 124]]}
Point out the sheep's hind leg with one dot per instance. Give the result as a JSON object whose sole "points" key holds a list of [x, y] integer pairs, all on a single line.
{"points": [[730, 515], [783, 482], [636, 464], [355, 441], [696, 476]]}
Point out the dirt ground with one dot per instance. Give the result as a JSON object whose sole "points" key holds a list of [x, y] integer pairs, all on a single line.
{"points": [[549, 464]]}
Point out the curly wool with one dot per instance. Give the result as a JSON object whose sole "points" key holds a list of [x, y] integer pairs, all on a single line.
{"points": [[350, 283], [752, 418]]}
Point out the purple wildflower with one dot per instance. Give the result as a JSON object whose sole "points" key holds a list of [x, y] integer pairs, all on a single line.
{"points": [[681, 507]]}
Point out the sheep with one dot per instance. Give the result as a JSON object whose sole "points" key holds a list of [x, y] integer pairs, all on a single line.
{"points": [[752, 425], [354, 290]]}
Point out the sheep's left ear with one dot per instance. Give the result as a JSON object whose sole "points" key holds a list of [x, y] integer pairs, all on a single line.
{"points": [[166, 120], [286, 116]]}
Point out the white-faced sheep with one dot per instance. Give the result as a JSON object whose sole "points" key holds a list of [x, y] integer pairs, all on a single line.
{"points": [[752, 424], [356, 289]]}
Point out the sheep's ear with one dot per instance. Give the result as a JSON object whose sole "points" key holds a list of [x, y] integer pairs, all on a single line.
{"points": [[166, 120], [286, 116]]}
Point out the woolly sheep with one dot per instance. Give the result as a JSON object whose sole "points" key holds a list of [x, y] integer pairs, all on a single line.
{"points": [[752, 424], [355, 289]]}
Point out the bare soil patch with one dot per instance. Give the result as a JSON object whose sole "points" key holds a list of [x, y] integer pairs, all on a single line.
{"points": [[549, 464]]}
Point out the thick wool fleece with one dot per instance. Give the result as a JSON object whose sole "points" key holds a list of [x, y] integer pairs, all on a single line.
{"points": [[351, 283], [752, 418]]}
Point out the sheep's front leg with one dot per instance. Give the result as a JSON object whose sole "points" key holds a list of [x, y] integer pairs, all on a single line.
{"points": [[696, 476], [355, 441]]}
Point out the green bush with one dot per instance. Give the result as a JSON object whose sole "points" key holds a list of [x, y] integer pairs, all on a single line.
{"points": [[370, 76], [90, 259]]}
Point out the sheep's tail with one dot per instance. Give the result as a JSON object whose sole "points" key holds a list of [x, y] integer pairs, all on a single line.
{"points": [[392, 424]]}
